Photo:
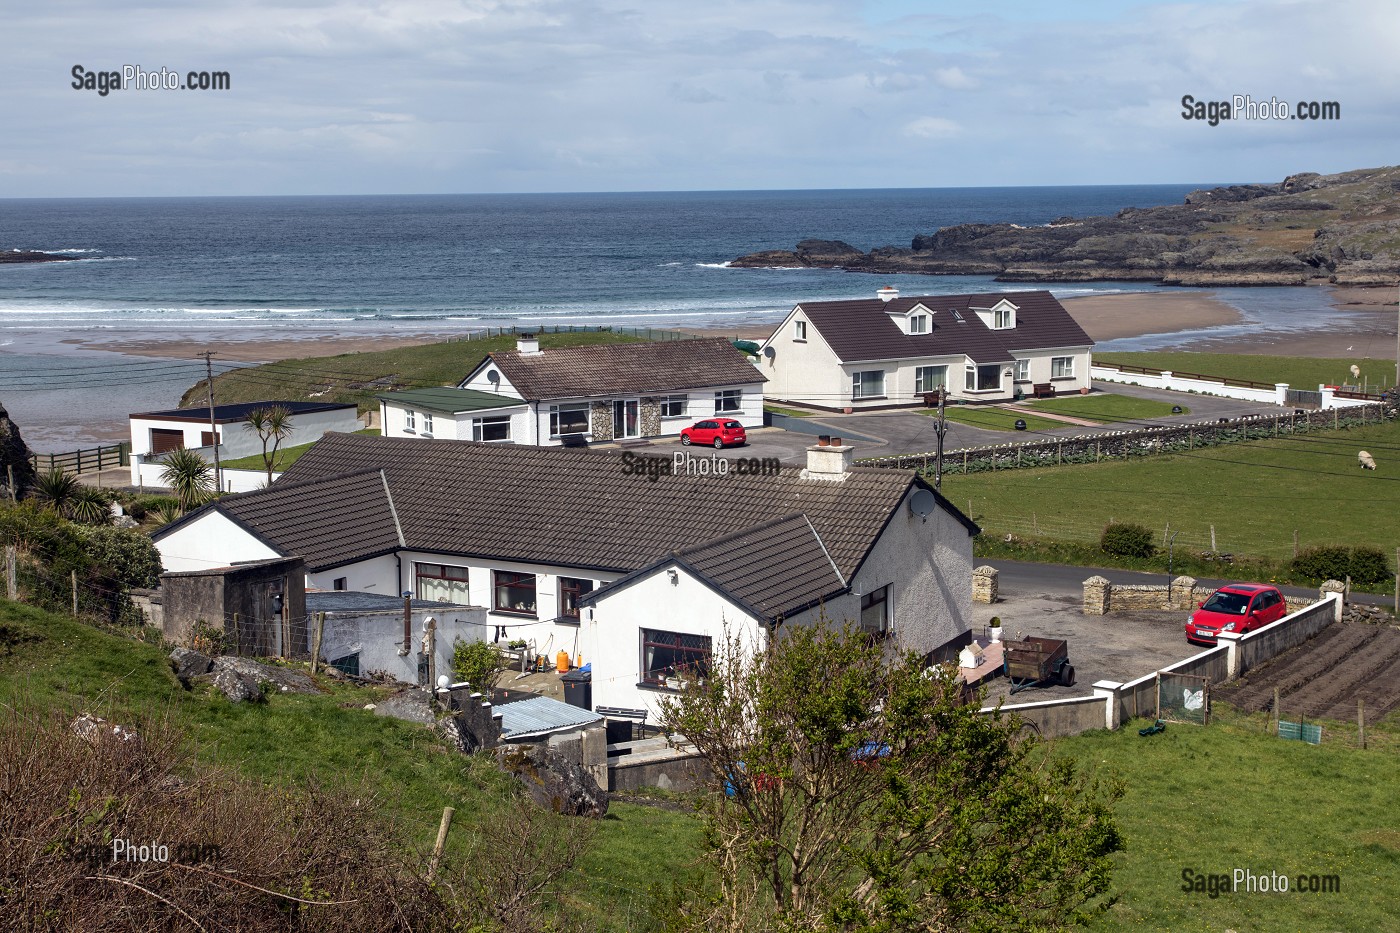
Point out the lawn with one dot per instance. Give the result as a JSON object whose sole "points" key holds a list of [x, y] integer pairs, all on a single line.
{"points": [[359, 377], [48, 660], [285, 457], [790, 412], [1298, 372], [1213, 799], [1255, 494], [1106, 407], [993, 419]]}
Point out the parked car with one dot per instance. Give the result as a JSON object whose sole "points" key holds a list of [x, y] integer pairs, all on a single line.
{"points": [[1239, 607], [714, 432]]}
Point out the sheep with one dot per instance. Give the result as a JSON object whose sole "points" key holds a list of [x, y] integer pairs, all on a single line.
{"points": [[1367, 461]]}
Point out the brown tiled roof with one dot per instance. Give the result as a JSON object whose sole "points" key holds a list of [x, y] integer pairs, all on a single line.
{"points": [[861, 329], [772, 569], [579, 508], [618, 368], [329, 520]]}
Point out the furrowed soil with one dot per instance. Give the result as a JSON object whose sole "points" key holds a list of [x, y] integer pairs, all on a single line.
{"points": [[1323, 678]]}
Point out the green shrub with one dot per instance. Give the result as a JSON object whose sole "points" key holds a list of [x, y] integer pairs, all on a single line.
{"points": [[1122, 539], [477, 663], [1367, 566]]}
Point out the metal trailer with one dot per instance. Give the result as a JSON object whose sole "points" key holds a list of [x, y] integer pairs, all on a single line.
{"points": [[1033, 661]]}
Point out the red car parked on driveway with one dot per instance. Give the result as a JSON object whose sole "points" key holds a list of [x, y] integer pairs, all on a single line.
{"points": [[1239, 607], [714, 432]]}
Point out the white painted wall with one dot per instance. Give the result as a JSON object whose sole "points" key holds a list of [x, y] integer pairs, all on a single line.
{"points": [[447, 427], [477, 380], [237, 440], [375, 575], [613, 641], [212, 540], [378, 636], [804, 372]]}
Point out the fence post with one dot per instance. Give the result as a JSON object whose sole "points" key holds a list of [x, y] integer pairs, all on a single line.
{"points": [[73, 582], [1361, 720], [316, 641], [1276, 711], [11, 584]]}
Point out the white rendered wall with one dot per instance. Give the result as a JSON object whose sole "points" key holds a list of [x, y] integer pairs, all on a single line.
{"points": [[212, 540], [803, 371]]}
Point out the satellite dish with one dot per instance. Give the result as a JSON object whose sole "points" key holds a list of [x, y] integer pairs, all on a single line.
{"points": [[769, 352], [922, 503], [493, 377]]}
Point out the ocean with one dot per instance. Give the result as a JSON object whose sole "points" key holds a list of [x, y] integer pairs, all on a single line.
{"points": [[436, 264]]}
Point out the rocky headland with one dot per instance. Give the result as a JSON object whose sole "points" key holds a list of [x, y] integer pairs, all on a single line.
{"points": [[30, 255], [1308, 228]]}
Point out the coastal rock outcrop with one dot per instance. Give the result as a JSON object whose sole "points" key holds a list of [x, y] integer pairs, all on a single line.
{"points": [[1342, 228], [14, 458]]}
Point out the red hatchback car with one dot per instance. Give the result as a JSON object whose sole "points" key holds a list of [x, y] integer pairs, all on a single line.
{"points": [[1239, 607], [714, 432]]}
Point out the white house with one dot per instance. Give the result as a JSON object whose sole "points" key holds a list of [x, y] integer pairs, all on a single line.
{"points": [[887, 351], [155, 433], [579, 394], [576, 551]]}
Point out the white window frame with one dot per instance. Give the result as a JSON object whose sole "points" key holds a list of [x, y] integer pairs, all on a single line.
{"points": [[1023, 371], [970, 379], [479, 423], [410, 421], [554, 411], [918, 323], [1061, 367], [427, 424], [670, 401], [875, 611], [729, 401], [799, 330], [1003, 318], [859, 379], [925, 379]]}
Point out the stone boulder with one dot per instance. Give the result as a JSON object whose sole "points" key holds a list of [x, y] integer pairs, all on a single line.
{"points": [[241, 680], [554, 781], [237, 687], [283, 680], [411, 705], [189, 664]]}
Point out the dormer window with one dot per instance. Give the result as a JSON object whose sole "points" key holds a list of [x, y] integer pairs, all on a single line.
{"points": [[918, 324], [1003, 317]]}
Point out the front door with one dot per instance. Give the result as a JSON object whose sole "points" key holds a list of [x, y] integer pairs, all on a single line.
{"points": [[625, 420]]}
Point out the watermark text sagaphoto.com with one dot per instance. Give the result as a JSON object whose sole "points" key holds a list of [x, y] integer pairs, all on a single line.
{"points": [[682, 463], [134, 77], [129, 852], [1245, 107], [1245, 881]]}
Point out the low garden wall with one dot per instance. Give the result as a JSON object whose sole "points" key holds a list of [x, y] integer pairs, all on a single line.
{"points": [[1272, 640], [1183, 593], [1053, 718]]}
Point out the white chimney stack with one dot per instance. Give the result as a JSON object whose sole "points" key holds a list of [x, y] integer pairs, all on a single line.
{"points": [[887, 293], [831, 461], [527, 344]]}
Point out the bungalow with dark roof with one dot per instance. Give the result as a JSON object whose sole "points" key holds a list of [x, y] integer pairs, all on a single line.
{"points": [[578, 551], [602, 392], [890, 352]]}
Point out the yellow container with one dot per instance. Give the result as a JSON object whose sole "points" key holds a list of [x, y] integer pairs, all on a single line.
{"points": [[561, 662]]}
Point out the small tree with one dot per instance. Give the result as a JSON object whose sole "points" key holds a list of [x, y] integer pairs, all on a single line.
{"points": [[477, 663], [1122, 539], [189, 477], [857, 792], [273, 425]]}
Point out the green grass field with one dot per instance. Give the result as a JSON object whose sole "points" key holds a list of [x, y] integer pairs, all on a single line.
{"points": [[284, 458], [1218, 798], [1298, 372], [52, 661], [1106, 407], [993, 419], [1255, 494]]}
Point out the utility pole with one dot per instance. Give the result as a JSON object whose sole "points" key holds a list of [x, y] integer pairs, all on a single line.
{"points": [[942, 429], [213, 424]]}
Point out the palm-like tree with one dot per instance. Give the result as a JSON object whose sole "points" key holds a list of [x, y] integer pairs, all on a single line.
{"points": [[189, 477], [56, 490], [273, 424], [90, 506]]}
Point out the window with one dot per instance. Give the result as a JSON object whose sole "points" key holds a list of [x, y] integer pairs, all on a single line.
{"points": [[515, 592], [1003, 318], [340, 584], [571, 590], [799, 330], [868, 384], [410, 420], [495, 428], [568, 419], [1061, 367], [1023, 370], [728, 400], [929, 378], [427, 424], [441, 583], [673, 406], [672, 654], [918, 324], [875, 611], [208, 439], [983, 378], [348, 665]]}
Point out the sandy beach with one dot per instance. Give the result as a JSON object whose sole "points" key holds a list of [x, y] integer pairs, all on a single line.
{"points": [[1109, 317]]}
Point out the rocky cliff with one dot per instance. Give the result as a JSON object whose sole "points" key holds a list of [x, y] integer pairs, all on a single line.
{"points": [[1342, 228], [14, 458]]}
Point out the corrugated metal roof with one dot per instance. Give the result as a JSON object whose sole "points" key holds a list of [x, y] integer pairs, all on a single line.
{"points": [[541, 716]]}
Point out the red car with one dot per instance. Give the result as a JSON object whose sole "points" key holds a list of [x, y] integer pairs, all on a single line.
{"points": [[1239, 607], [714, 432]]}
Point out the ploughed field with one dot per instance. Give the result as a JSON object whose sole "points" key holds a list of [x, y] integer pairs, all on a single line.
{"points": [[1324, 677]]}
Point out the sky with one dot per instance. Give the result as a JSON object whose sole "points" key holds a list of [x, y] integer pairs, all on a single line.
{"points": [[459, 96]]}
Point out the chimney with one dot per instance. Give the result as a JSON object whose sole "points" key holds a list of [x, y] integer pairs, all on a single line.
{"points": [[527, 344], [887, 293], [831, 463]]}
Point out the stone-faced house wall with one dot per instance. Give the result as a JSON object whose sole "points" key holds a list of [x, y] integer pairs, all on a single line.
{"points": [[600, 415]]}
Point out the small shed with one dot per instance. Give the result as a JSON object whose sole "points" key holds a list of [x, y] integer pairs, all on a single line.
{"points": [[257, 607]]}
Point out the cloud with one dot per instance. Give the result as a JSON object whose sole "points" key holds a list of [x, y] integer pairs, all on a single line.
{"points": [[932, 128], [954, 78]]}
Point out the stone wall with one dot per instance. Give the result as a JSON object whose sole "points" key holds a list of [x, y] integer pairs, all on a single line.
{"points": [[649, 417], [600, 417], [1183, 594], [984, 584]]}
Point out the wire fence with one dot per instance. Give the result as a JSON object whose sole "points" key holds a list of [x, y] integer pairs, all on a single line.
{"points": [[645, 333]]}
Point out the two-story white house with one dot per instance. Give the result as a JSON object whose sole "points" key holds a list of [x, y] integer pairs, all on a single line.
{"points": [[582, 394], [572, 550], [888, 351]]}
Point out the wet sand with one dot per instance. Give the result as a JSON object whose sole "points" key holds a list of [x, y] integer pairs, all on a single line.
{"points": [[1109, 317]]}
